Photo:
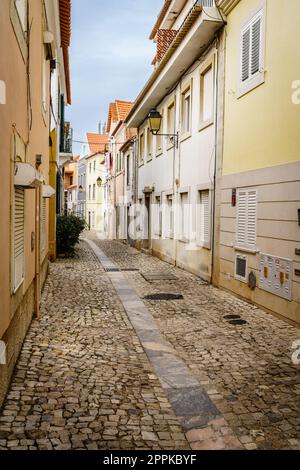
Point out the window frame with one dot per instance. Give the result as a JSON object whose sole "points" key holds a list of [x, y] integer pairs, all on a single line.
{"points": [[203, 243], [182, 238], [206, 66], [159, 138], [170, 225], [20, 34], [258, 78], [142, 148], [171, 129], [149, 144], [246, 246], [158, 215], [186, 93]]}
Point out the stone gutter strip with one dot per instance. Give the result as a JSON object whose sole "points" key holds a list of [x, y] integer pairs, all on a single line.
{"points": [[203, 424]]}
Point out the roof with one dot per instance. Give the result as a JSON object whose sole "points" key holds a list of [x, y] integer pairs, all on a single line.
{"points": [[160, 18], [118, 111], [98, 143], [65, 34], [165, 37]]}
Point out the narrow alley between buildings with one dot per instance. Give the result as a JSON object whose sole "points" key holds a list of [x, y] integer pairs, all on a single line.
{"points": [[106, 367]]}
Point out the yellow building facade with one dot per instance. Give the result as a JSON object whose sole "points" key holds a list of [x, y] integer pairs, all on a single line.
{"points": [[259, 238]]}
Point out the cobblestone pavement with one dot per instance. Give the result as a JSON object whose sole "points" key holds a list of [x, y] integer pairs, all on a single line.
{"points": [[83, 381], [246, 370]]}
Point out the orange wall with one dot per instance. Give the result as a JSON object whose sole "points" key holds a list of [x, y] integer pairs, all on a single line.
{"points": [[13, 73]]}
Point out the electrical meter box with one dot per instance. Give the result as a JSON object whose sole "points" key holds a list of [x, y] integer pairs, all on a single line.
{"points": [[275, 276]]}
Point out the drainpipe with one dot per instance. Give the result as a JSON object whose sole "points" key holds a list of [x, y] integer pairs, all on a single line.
{"points": [[37, 255]]}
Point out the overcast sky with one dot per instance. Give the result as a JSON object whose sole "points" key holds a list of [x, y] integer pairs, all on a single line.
{"points": [[111, 57]]}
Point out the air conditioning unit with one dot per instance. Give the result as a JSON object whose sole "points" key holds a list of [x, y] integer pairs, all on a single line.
{"points": [[241, 268]]}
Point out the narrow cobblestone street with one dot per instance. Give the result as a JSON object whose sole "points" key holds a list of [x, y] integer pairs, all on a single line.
{"points": [[105, 368]]}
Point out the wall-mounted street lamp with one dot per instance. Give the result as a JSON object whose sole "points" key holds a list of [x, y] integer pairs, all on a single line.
{"points": [[155, 120], [99, 182], [81, 190]]}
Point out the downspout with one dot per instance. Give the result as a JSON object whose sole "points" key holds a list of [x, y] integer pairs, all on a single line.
{"points": [[37, 254]]}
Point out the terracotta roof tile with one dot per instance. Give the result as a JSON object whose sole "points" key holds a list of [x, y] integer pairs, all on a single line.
{"points": [[165, 37], [160, 18], [118, 111], [98, 143]]}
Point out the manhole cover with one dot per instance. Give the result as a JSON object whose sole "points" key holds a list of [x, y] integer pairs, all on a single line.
{"points": [[232, 317], [164, 297], [129, 270], [238, 322], [159, 276]]}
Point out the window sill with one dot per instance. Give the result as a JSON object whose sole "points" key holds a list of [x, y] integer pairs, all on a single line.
{"points": [[255, 82], [205, 245], [246, 249], [205, 124], [185, 136]]}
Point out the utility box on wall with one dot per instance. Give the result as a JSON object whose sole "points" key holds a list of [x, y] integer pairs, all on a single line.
{"points": [[275, 276]]}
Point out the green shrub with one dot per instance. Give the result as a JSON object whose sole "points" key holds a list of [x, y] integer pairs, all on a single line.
{"points": [[68, 230]]}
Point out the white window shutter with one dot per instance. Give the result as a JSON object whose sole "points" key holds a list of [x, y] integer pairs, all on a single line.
{"points": [[242, 218], [256, 46], [252, 218], [247, 218], [204, 216], [18, 253], [245, 56]]}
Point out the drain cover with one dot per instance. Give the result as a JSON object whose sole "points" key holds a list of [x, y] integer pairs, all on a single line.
{"points": [[238, 322], [232, 317], [129, 270], [164, 297], [159, 276], [111, 270]]}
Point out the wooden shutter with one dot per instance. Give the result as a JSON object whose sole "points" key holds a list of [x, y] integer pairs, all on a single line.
{"points": [[247, 218], [204, 216], [245, 60], [18, 238], [43, 225], [256, 46]]}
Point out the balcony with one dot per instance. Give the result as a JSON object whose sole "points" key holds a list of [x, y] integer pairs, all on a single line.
{"points": [[66, 144], [196, 32]]}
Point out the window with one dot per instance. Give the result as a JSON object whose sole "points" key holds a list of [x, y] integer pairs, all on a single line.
{"points": [[43, 225], [149, 144], [203, 219], [18, 238], [94, 192], [246, 219], [251, 62], [90, 192], [94, 166], [21, 7], [142, 148], [171, 123], [241, 267], [158, 217], [207, 96], [44, 82], [170, 217], [184, 211], [186, 112], [159, 137], [128, 170], [71, 180], [90, 168], [18, 17]]}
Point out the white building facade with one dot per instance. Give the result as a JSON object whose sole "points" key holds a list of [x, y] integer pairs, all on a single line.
{"points": [[177, 170]]}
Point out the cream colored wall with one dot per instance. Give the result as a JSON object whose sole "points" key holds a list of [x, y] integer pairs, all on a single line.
{"points": [[262, 127], [96, 205], [13, 73]]}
